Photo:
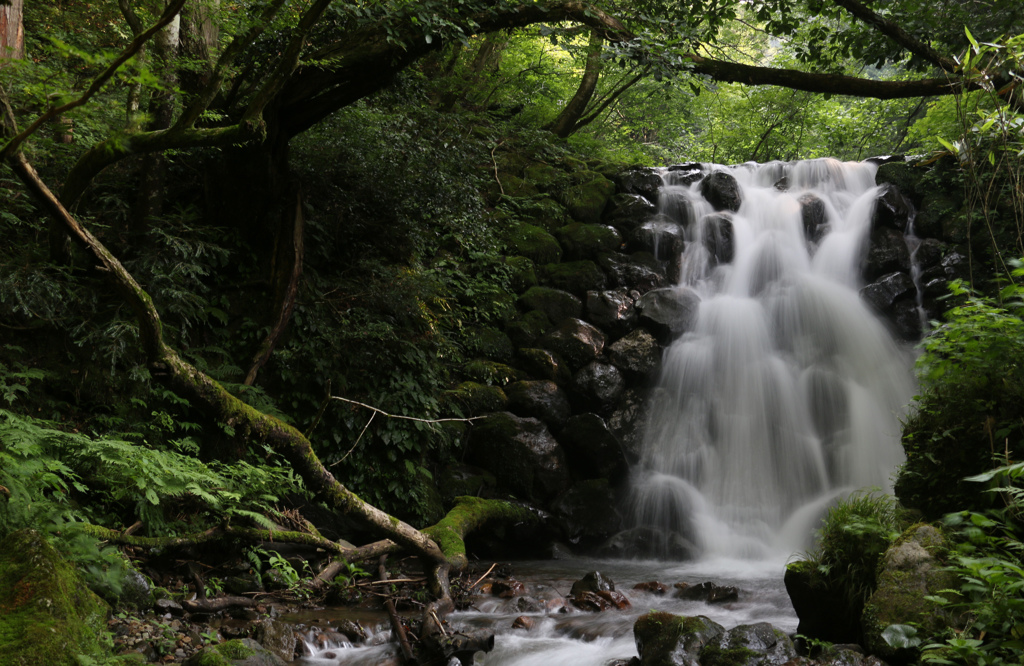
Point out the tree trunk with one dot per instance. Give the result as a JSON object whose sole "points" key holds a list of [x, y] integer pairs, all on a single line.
{"points": [[565, 123], [12, 30]]}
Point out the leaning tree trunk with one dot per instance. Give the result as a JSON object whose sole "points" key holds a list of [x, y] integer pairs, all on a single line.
{"points": [[566, 122]]}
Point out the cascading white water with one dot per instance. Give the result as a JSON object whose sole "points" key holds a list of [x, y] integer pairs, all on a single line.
{"points": [[787, 392]]}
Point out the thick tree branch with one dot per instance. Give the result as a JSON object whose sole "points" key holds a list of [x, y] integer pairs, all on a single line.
{"points": [[897, 34]]}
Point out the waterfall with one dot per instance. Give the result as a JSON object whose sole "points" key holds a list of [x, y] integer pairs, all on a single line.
{"points": [[787, 391]]}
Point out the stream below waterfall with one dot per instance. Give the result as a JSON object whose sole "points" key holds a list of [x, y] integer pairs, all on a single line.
{"points": [[783, 393]]}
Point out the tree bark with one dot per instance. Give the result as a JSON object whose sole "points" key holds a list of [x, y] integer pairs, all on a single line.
{"points": [[565, 123], [12, 30]]}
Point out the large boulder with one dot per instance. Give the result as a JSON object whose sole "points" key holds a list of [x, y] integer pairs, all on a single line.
{"points": [[533, 243], [887, 253], [541, 399], [589, 512], [824, 611], [598, 385], [556, 304], [544, 364], [612, 311], [893, 210], [576, 341], [629, 420], [575, 277], [911, 572], [758, 644], [722, 191], [522, 455], [669, 312], [238, 652], [718, 237], [585, 241], [886, 290], [642, 181], [640, 271], [592, 449], [813, 216], [586, 199], [626, 212], [637, 355], [48, 617], [659, 236], [663, 639]]}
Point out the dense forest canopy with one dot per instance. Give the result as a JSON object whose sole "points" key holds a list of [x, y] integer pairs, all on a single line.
{"points": [[325, 160]]}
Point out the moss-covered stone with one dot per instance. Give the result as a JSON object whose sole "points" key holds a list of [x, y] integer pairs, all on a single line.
{"points": [[476, 398], [490, 343], [544, 364], [911, 571], [556, 304], [527, 329], [491, 372], [522, 275], [587, 197], [533, 242], [48, 617], [663, 639], [238, 652], [585, 241], [543, 176], [521, 453], [575, 277], [542, 211], [904, 176]]}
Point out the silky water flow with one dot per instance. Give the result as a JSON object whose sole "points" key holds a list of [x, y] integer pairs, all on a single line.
{"points": [[785, 395]]}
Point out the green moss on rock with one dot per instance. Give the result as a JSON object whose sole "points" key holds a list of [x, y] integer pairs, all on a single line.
{"points": [[588, 240], [587, 197], [575, 277], [476, 398], [664, 639], [490, 343], [522, 275], [527, 329], [491, 373], [556, 304], [904, 176], [48, 617], [534, 243]]}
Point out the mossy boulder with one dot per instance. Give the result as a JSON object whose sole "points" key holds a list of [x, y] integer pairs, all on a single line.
{"points": [[904, 176], [527, 329], [238, 652], [522, 274], [663, 639], [911, 571], [534, 243], [542, 175], [48, 617], [557, 304], [594, 451], [575, 277], [541, 399], [542, 211], [626, 212], [475, 398], [490, 343], [936, 208], [576, 341], [459, 479], [544, 364], [587, 197], [490, 372], [758, 644], [585, 241], [824, 610]]}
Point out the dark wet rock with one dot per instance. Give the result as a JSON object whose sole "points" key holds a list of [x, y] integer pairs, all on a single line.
{"points": [[506, 589], [642, 181], [521, 454], [911, 571], [887, 253], [529, 605], [533, 243], [136, 592], [637, 354], [906, 320], [782, 184], [490, 372], [164, 606], [626, 212], [592, 449], [812, 214], [669, 312], [893, 210], [612, 311], [825, 614], [953, 266], [544, 364], [588, 512], [718, 237], [930, 252], [556, 304], [902, 176], [541, 399], [527, 329], [475, 398], [238, 652], [888, 289], [585, 241], [593, 581], [722, 191], [575, 277], [758, 644], [578, 342], [660, 236], [244, 583], [277, 637], [640, 271], [653, 587], [685, 174], [596, 602], [645, 541], [458, 479], [707, 591], [598, 385], [523, 622], [936, 216], [663, 639], [629, 420]]}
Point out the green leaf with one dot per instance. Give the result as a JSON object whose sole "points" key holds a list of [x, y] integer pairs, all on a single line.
{"points": [[901, 636]]}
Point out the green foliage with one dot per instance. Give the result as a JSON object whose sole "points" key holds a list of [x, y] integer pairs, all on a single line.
{"points": [[991, 595], [969, 412], [854, 535]]}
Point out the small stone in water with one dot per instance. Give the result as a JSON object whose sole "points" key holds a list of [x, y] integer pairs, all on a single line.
{"points": [[523, 622]]}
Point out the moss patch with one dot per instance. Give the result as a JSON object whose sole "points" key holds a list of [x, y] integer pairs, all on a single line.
{"points": [[47, 615]]}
